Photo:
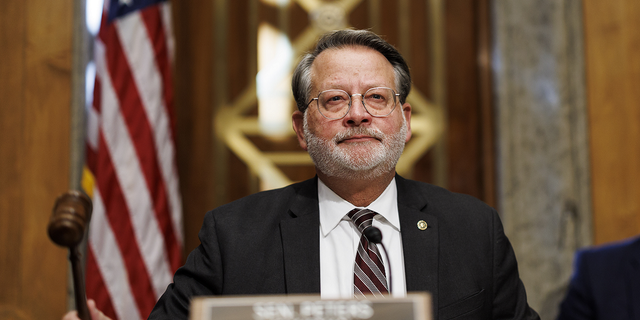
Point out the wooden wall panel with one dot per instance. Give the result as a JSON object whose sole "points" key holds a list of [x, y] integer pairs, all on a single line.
{"points": [[612, 41], [193, 28], [35, 76], [463, 100]]}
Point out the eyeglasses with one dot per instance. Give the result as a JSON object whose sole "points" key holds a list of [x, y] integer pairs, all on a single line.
{"points": [[335, 104]]}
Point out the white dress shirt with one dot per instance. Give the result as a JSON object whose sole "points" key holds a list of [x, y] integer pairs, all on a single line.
{"points": [[339, 239]]}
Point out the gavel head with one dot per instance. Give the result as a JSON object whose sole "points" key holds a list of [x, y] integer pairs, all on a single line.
{"points": [[71, 215]]}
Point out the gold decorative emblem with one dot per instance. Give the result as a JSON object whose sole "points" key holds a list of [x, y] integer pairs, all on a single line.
{"points": [[328, 17], [422, 225]]}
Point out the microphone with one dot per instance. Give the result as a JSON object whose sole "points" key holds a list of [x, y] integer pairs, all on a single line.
{"points": [[374, 235]]}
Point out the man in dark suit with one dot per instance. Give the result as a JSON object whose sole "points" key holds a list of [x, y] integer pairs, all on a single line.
{"points": [[353, 120], [605, 284]]}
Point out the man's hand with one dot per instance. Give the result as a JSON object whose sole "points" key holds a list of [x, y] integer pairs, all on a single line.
{"points": [[93, 311]]}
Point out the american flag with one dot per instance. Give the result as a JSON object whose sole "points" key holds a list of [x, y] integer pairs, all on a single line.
{"points": [[135, 235]]}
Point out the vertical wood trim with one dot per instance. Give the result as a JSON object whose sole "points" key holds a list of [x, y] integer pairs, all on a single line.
{"points": [[36, 47], [436, 15], [373, 11], [12, 51], [404, 29], [486, 104], [221, 97], [612, 34], [252, 39], [193, 85]]}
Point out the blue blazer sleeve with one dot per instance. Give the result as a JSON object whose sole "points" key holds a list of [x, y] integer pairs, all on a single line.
{"points": [[579, 303]]}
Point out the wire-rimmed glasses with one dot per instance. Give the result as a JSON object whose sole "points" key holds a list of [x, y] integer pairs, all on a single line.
{"points": [[335, 104]]}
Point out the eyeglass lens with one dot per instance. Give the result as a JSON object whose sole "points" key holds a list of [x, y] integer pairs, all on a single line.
{"points": [[334, 104]]}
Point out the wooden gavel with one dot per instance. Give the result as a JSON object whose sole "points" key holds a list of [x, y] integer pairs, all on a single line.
{"points": [[70, 217]]}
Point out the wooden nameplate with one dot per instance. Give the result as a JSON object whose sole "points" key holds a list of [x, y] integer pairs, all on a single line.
{"points": [[416, 306]]}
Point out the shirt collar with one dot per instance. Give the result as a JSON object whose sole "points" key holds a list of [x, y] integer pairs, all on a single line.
{"points": [[333, 208]]}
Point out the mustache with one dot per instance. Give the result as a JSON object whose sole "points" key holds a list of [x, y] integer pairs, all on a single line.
{"points": [[355, 131]]}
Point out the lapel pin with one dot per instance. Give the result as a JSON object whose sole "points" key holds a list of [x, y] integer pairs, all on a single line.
{"points": [[422, 225]]}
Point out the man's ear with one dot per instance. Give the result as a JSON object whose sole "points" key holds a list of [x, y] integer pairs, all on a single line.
{"points": [[298, 127], [406, 109]]}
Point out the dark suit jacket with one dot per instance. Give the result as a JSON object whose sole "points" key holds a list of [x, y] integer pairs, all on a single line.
{"points": [[268, 243], [605, 284]]}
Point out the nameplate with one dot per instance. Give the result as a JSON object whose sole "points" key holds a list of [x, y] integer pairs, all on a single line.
{"points": [[416, 306]]}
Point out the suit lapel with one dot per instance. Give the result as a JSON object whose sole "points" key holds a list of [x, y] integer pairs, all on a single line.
{"points": [[420, 247], [301, 241]]}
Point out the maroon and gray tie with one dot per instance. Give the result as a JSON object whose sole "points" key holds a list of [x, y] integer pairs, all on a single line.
{"points": [[369, 274]]}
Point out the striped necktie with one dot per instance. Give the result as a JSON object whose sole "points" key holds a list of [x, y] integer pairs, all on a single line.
{"points": [[368, 273]]}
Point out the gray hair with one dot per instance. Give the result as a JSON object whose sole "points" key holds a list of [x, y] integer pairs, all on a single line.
{"points": [[301, 81]]}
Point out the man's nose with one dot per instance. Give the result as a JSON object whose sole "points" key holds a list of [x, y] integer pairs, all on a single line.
{"points": [[358, 113]]}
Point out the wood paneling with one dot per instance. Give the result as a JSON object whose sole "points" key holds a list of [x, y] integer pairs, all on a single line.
{"points": [[193, 28], [35, 77], [463, 99], [612, 45]]}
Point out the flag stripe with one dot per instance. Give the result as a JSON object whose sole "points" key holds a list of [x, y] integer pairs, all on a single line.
{"points": [[97, 94], [134, 87], [131, 179], [95, 286], [165, 13], [109, 262], [157, 28], [153, 21], [118, 218], [93, 121], [91, 157], [93, 117]]}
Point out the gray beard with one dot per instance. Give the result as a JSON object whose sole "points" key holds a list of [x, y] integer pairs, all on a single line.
{"points": [[335, 161]]}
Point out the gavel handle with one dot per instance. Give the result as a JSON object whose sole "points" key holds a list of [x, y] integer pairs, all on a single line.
{"points": [[70, 217], [78, 284]]}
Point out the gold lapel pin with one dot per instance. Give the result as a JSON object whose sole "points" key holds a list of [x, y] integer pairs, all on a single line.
{"points": [[422, 225]]}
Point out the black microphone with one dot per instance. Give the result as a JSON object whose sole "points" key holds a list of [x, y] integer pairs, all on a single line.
{"points": [[374, 235]]}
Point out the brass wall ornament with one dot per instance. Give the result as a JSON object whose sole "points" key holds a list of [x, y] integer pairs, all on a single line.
{"points": [[328, 16], [234, 123]]}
